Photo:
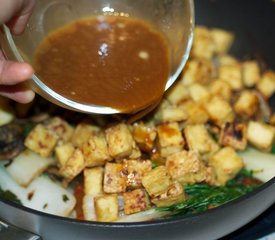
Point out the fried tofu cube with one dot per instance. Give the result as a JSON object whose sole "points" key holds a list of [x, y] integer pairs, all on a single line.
{"points": [[260, 135], [221, 88], [222, 39], [157, 181], [198, 92], [227, 60], [136, 153], [169, 134], [226, 164], [74, 165], [119, 140], [106, 208], [267, 84], [136, 169], [195, 112], [177, 93], [62, 128], [88, 207], [198, 139], [234, 135], [82, 133], [251, 73], [170, 138], [173, 195], [144, 136], [93, 181], [95, 151], [135, 201], [173, 114], [232, 74], [197, 71], [219, 110], [63, 152], [203, 44], [247, 104], [114, 178], [41, 140], [186, 167]]}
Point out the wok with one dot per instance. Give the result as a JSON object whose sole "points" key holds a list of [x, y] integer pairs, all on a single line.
{"points": [[251, 21]]}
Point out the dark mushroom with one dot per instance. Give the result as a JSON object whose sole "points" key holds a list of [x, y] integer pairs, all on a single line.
{"points": [[11, 141]]}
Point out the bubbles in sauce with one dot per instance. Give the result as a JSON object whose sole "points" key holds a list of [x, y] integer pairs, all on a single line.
{"points": [[110, 61]]}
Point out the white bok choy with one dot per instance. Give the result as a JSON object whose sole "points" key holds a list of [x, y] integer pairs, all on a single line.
{"points": [[43, 194]]}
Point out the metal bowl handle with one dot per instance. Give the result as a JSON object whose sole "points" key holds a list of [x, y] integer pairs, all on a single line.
{"points": [[8, 231]]}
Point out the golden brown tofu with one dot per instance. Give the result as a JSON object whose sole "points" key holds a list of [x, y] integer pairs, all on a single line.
{"points": [[222, 39], [136, 153], [198, 139], [63, 152], [170, 138], [157, 181], [221, 88], [145, 136], [62, 129], [95, 151], [173, 195], [169, 134], [186, 167], [197, 71], [251, 73], [119, 140], [260, 135], [203, 44], [234, 135], [106, 208], [136, 169], [41, 140], [226, 164], [227, 60], [232, 74], [266, 85], [219, 110], [82, 133], [73, 166], [195, 112], [93, 181], [247, 104], [177, 93], [115, 178], [135, 201], [172, 114], [198, 92]]}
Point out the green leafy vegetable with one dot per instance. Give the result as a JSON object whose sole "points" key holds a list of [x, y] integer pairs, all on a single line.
{"points": [[8, 195], [202, 196]]}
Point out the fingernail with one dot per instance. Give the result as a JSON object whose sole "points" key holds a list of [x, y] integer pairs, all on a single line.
{"points": [[29, 96]]}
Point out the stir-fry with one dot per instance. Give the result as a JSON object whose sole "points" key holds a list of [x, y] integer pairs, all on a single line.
{"points": [[186, 156]]}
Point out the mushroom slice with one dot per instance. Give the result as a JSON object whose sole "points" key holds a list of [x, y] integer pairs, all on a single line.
{"points": [[11, 141]]}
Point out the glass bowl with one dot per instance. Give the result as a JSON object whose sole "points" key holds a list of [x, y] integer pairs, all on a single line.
{"points": [[174, 18]]}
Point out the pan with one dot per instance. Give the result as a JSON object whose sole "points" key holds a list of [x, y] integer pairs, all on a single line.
{"points": [[253, 24]]}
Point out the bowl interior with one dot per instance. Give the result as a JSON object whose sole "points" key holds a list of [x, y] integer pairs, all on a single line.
{"points": [[173, 18]]}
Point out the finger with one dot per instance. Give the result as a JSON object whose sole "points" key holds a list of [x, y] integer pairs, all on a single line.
{"points": [[19, 21], [19, 93], [14, 72]]}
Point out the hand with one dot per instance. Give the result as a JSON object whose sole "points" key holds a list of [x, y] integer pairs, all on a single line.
{"points": [[15, 13]]}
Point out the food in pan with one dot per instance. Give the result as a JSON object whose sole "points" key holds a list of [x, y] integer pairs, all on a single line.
{"points": [[205, 144]]}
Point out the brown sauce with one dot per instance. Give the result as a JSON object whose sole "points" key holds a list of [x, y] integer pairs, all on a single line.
{"points": [[111, 61]]}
